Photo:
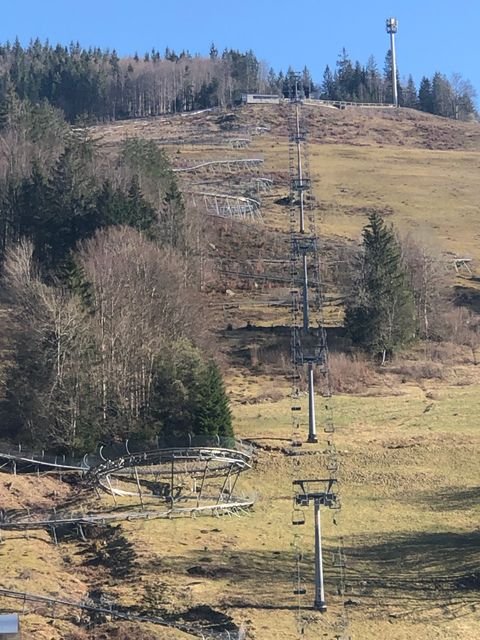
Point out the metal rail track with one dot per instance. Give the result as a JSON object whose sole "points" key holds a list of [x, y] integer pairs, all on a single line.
{"points": [[199, 464], [111, 611], [249, 162]]}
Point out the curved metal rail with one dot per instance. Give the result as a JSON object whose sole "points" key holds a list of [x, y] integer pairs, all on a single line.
{"points": [[228, 164], [174, 482], [224, 205], [16, 458], [80, 520]]}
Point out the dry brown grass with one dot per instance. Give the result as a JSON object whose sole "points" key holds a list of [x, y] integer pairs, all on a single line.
{"points": [[351, 374]]}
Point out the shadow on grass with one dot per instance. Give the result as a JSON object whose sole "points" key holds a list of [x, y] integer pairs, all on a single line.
{"points": [[425, 574], [468, 297], [451, 499], [415, 561]]}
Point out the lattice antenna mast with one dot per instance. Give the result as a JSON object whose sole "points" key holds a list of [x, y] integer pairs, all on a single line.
{"points": [[392, 28]]}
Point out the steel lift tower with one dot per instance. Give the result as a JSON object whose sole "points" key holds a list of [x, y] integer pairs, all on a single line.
{"points": [[304, 249], [310, 353], [392, 28], [321, 493]]}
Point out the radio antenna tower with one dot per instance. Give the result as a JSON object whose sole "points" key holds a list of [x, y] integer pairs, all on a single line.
{"points": [[392, 28]]}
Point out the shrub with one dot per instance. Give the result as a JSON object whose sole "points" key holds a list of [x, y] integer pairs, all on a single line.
{"points": [[350, 374], [417, 371]]}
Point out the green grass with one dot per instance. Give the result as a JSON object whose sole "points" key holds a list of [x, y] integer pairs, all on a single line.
{"points": [[408, 413]]}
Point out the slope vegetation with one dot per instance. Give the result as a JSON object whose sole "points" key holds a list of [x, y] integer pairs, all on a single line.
{"points": [[409, 446]]}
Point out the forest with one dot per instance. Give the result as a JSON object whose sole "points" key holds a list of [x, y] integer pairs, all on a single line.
{"points": [[96, 85], [104, 332]]}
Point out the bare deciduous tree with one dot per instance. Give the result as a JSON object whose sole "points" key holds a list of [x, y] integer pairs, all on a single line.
{"points": [[142, 305], [429, 282], [48, 335]]}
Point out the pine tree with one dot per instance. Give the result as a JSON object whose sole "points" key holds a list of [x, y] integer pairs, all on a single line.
{"points": [[380, 315], [172, 217], [307, 82], [273, 81], [174, 402]]}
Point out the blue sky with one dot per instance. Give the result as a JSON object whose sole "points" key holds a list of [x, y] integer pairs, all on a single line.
{"points": [[432, 36]]}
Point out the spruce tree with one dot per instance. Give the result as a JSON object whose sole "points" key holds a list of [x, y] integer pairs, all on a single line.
{"points": [[141, 215], [213, 412], [410, 94], [328, 85], [380, 315], [344, 76], [425, 99]]}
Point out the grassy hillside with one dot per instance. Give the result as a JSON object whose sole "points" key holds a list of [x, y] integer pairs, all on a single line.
{"points": [[409, 444]]}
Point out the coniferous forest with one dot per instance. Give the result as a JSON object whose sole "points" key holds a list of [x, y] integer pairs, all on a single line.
{"points": [[98, 85]]}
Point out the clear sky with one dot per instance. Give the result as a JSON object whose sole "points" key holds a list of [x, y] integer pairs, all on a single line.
{"points": [[440, 35]]}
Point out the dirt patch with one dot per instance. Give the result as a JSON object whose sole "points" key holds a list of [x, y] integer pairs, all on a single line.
{"points": [[22, 492], [107, 547], [205, 616], [208, 571]]}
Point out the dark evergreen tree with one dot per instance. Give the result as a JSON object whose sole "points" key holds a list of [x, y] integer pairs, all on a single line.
{"points": [[213, 415], [10, 104], [374, 81], [425, 99], [274, 82], [306, 82], [68, 216], [410, 98], [359, 90], [289, 84], [141, 215], [329, 89], [189, 397], [159, 184], [380, 315], [344, 77], [443, 100], [388, 87]]}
